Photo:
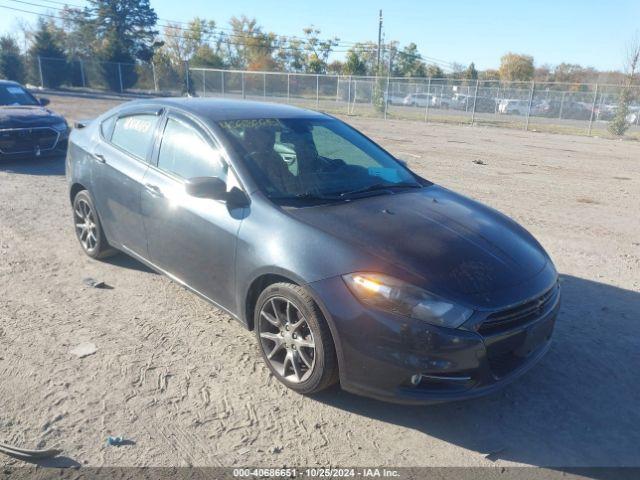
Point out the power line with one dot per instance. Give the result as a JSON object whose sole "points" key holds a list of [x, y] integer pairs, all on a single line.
{"points": [[171, 23], [221, 36]]}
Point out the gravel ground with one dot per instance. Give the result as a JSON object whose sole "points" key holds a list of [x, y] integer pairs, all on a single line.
{"points": [[185, 383]]}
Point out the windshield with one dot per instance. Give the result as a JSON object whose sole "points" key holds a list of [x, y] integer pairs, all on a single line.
{"points": [[315, 158], [15, 95]]}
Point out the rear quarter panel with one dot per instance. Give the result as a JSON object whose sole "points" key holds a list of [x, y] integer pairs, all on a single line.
{"points": [[79, 161]]}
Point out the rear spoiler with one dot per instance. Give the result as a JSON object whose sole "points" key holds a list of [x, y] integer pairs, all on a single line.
{"points": [[82, 123]]}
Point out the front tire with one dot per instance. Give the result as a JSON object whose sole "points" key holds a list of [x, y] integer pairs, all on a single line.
{"points": [[88, 228], [294, 339]]}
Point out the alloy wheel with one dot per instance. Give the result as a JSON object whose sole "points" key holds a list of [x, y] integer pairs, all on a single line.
{"points": [[287, 340], [86, 228]]}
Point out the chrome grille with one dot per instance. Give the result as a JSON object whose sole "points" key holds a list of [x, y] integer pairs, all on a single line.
{"points": [[28, 140]]}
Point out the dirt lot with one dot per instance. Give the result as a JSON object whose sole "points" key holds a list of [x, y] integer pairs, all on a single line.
{"points": [[185, 382]]}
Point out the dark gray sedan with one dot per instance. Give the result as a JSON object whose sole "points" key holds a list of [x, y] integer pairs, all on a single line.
{"points": [[348, 266]]}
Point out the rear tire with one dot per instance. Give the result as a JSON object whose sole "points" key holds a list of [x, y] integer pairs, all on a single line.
{"points": [[294, 339], [88, 228]]}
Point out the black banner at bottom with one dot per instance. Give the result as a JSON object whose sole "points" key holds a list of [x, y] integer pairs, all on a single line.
{"points": [[400, 473]]}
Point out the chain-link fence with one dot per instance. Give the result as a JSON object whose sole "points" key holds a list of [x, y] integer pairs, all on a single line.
{"points": [[131, 78], [543, 106]]}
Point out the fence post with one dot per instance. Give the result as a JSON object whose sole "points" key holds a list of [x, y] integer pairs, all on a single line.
{"points": [[288, 87], [426, 110], [40, 70], [386, 97], [475, 99], [186, 67], [82, 73], [317, 91], [337, 88], [222, 82], [374, 85], [466, 101], [533, 86], [600, 107], [349, 99], [561, 106], [264, 85], [242, 81], [120, 76], [155, 79], [355, 96], [593, 107], [204, 82]]}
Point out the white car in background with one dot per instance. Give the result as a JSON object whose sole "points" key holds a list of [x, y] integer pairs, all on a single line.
{"points": [[513, 107], [461, 101], [394, 98], [417, 100], [440, 101]]}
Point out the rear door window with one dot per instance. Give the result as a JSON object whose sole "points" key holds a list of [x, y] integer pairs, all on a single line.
{"points": [[134, 133]]}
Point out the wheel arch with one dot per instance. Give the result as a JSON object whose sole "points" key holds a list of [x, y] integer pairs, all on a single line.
{"points": [[75, 189], [257, 286]]}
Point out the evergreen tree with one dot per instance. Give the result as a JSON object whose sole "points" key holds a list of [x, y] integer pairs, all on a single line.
{"points": [[48, 57], [11, 62], [126, 33], [118, 64], [434, 71], [471, 73]]}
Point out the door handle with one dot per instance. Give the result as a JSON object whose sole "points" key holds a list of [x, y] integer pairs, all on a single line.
{"points": [[98, 157], [153, 190]]}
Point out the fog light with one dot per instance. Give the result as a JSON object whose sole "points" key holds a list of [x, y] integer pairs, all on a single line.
{"points": [[415, 379]]}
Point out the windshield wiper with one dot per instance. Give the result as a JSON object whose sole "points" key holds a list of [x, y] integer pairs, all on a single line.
{"points": [[308, 196], [316, 196], [380, 187]]}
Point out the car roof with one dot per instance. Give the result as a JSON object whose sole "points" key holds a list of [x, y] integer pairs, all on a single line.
{"points": [[217, 109], [8, 82]]}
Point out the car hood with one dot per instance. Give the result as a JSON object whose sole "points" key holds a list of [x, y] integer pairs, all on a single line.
{"points": [[448, 243], [24, 117]]}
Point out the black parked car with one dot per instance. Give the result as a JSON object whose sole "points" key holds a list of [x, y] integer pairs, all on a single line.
{"points": [[345, 263], [27, 129]]}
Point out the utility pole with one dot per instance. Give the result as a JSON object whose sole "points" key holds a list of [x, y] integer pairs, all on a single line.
{"points": [[379, 42]]}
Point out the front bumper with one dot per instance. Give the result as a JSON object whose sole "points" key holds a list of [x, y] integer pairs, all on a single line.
{"points": [[23, 143], [380, 353]]}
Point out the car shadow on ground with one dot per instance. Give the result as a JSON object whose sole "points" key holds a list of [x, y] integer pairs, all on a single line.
{"points": [[125, 261], [50, 462], [578, 407], [34, 166]]}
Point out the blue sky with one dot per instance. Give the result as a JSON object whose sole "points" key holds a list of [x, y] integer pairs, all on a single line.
{"points": [[592, 33]]}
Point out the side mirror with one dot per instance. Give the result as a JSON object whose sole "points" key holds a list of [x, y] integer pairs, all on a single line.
{"points": [[44, 101], [207, 187]]}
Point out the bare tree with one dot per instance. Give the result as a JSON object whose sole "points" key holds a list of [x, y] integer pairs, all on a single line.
{"points": [[620, 122]]}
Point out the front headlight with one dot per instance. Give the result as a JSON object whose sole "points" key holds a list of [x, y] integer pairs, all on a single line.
{"points": [[60, 127], [395, 296]]}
